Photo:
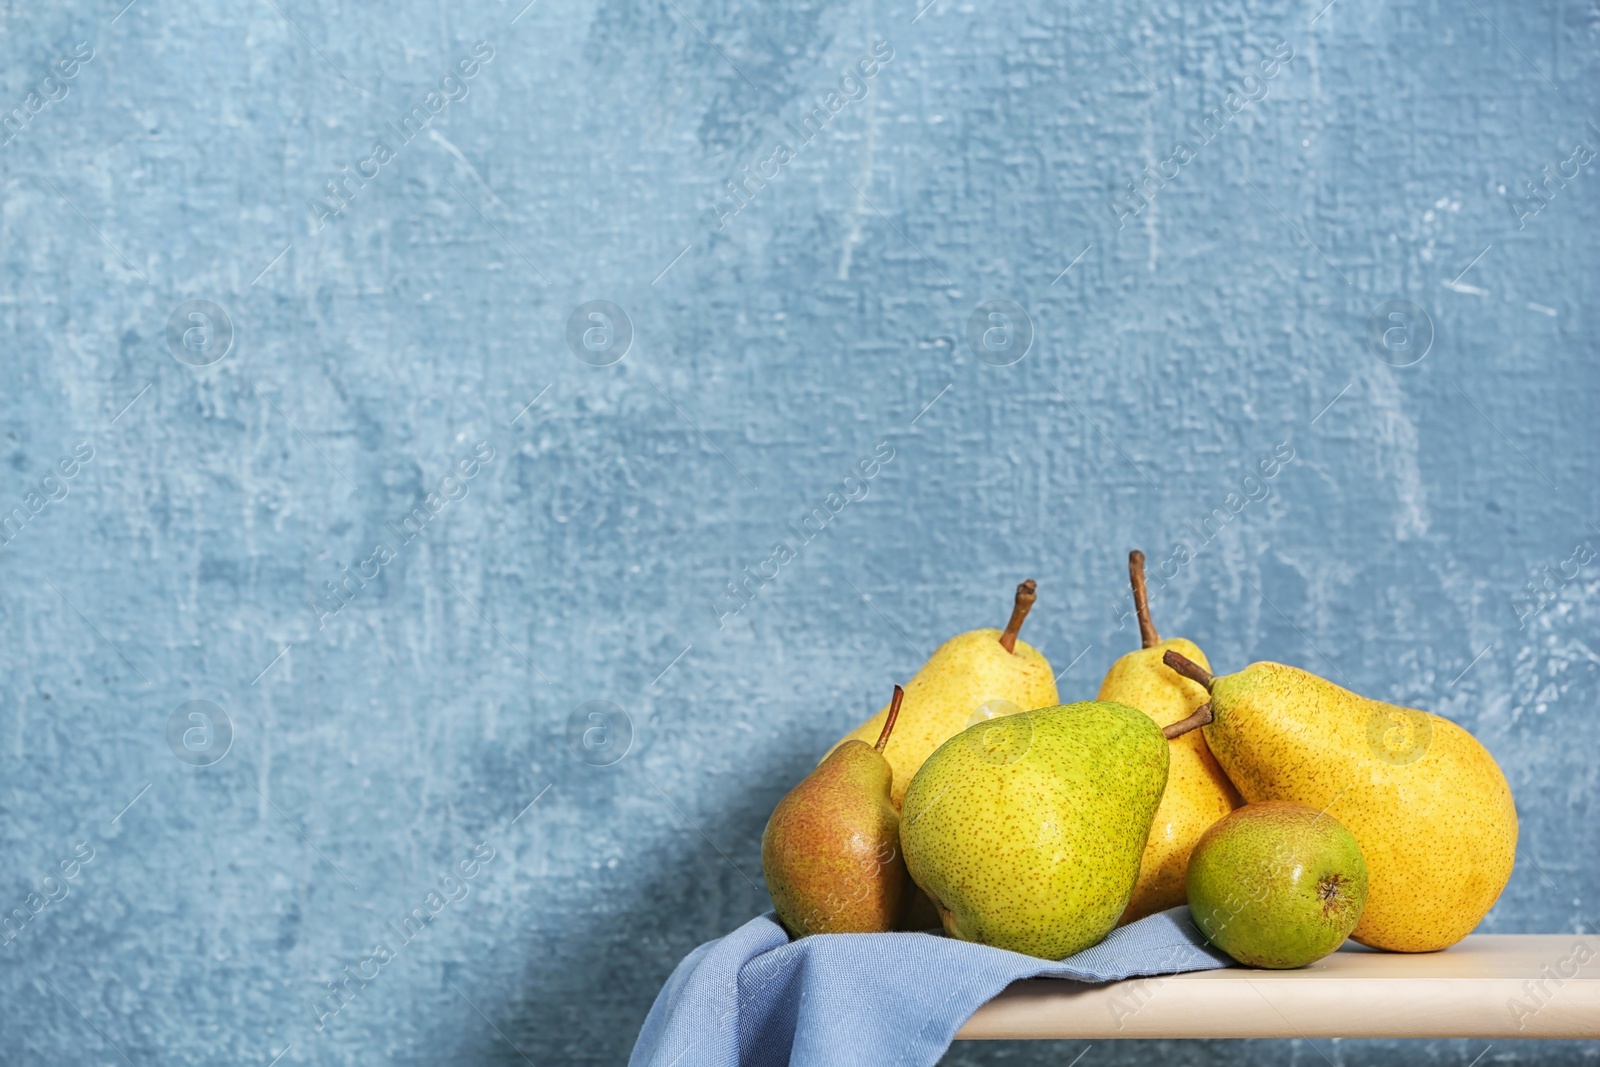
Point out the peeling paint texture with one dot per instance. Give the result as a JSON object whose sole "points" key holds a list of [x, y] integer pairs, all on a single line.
{"points": [[418, 420]]}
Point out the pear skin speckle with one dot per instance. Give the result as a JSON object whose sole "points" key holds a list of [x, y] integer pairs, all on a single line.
{"points": [[1198, 792], [1277, 884], [831, 850], [966, 671], [1026, 831], [1425, 800]]}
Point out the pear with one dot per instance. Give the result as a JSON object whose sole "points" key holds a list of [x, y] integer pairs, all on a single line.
{"points": [[973, 676], [831, 850], [1198, 793], [1277, 884], [1026, 831], [1428, 805]]}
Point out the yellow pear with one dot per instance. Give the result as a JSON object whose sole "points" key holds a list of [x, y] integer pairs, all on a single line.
{"points": [[1425, 800], [974, 676], [1198, 793]]}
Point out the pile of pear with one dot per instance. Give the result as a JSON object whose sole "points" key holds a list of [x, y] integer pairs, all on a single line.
{"points": [[977, 801]]}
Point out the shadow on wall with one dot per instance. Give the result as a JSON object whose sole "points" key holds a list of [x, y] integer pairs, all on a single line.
{"points": [[581, 993]]}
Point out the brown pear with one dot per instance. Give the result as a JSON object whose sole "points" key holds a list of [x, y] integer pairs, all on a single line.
{"points": [[831, 850]]}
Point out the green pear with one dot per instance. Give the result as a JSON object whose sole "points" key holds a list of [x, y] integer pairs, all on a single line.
{"points": [[1026, 831], [1427, 803], [831, 850], [1277, 884]]}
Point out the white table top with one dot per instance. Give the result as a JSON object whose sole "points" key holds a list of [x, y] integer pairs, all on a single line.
{"points": [[1488, 986]]}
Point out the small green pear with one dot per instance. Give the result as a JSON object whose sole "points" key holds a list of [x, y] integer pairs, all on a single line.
{"points": [[831, 850], [1277, 884], [1026, 830]]}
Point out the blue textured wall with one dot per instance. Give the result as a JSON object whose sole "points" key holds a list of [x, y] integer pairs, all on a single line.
{"points": [[381, 338]]}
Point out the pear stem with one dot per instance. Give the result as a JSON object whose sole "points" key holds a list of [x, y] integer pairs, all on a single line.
{"points": [[1026, 595], [1188, 668], [1201, 716], [888, 723], [1141, 600]]}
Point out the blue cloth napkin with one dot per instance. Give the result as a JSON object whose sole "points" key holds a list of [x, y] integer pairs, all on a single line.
{"points": [[755, 998]]}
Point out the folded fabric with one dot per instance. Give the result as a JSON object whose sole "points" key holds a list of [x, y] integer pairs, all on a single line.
{"points": [[755, 998]]}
